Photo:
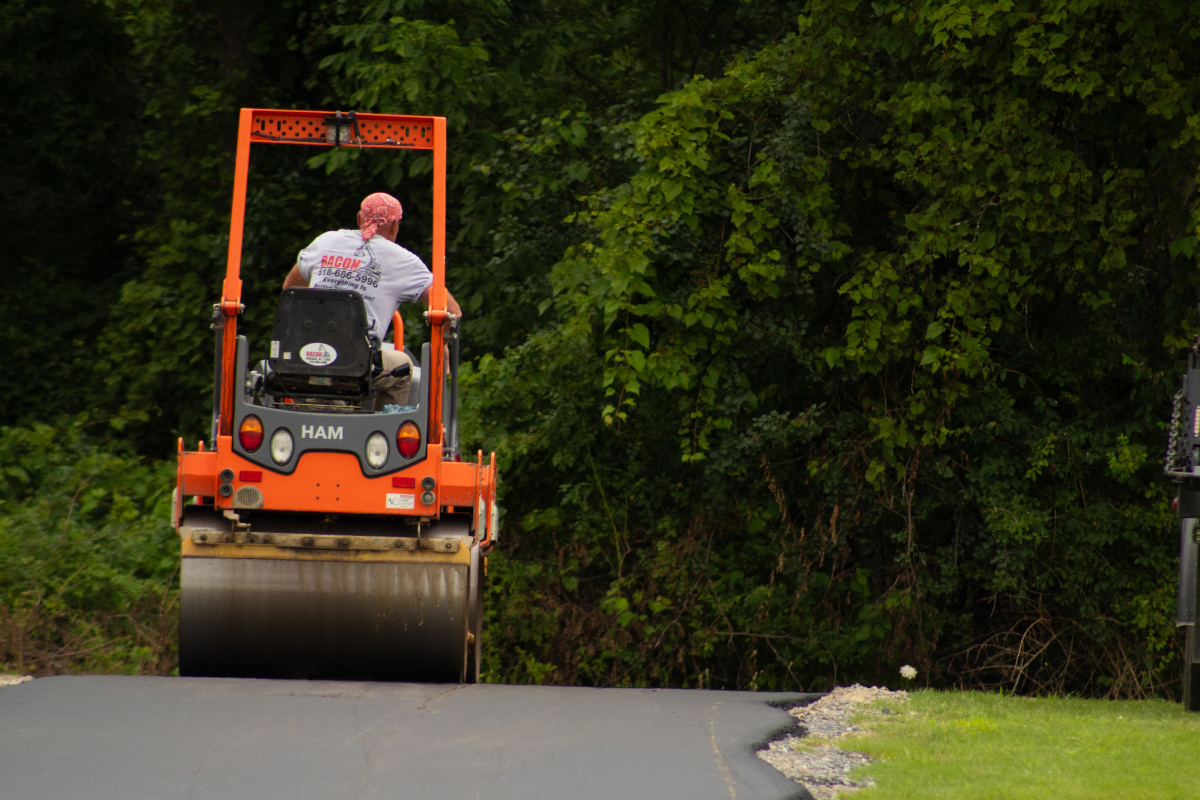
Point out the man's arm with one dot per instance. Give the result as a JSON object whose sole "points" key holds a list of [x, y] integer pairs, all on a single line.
{"points": [[451, 304], [294, 278]]}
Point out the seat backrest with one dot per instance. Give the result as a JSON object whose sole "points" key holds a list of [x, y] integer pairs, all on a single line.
{"points": [[320, 332]]}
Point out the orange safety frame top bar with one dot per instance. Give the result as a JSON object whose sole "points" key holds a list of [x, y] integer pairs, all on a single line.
{"points": [[333, 129]]}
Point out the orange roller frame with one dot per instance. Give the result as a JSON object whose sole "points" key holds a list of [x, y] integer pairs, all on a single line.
{"points": [[353, 492]]}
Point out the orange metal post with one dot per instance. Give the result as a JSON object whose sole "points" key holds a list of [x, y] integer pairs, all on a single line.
{"points": [[397, 330], [437, 292], [491, 497], [437, 295], [478, 498], [231, 292]]}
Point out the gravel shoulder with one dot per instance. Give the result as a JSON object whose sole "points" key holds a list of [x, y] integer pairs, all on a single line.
{"points": [[13, 680], [813, 758]]}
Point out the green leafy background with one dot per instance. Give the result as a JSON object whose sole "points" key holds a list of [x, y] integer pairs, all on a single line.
{"points": [[813, 338]]}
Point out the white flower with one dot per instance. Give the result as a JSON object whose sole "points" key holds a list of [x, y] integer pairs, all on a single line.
{"points": [[907, 672]]}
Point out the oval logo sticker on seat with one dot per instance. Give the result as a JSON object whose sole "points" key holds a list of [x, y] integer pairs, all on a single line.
{"points": [[318, 354]]}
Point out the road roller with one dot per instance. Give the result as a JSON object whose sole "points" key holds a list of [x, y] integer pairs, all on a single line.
{"points": [[321, 538]]}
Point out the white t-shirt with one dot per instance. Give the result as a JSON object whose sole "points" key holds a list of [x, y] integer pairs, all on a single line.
{"points": [[383, 272]]}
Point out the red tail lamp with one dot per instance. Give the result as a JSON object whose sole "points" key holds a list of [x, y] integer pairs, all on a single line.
{"points": [[408, 439], [250, 433]]}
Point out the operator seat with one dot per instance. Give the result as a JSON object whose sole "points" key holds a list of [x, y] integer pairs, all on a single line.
{"points": [[320, 348]]}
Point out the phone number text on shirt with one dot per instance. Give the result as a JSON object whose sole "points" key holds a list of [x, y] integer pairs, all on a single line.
{"points": [[341, 277]]}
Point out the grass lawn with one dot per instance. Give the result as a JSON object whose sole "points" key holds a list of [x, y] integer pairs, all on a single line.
{"points": [[975, 745]]}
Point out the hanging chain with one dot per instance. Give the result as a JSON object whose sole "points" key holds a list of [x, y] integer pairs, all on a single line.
{"points": [[1174, 430]]}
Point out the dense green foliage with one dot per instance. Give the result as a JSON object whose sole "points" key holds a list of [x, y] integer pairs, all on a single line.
{"points": [[87, 579], [813, 338]]}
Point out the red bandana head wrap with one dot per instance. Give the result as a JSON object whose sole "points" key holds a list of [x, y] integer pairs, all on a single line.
{"points": [[379, 209]]}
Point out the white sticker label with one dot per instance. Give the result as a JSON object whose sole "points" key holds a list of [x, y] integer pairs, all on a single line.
{"points": [[274, 349], [287, 355], [401, 500], [318, 354]]}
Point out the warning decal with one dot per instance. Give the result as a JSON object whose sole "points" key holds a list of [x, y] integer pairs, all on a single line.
{"points": [[399, 500]]}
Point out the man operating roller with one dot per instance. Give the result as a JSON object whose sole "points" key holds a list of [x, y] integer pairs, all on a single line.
{"points": [[368, 261]]}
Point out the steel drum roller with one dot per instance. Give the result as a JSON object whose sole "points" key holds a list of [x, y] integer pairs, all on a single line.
{"points": [[360, 620]]}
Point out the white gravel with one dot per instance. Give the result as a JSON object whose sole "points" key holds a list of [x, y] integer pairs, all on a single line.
{"points": [[13, 680], [812, 759]]}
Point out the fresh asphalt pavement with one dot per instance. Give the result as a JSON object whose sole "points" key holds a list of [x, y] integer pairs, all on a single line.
{"points": [[138, 737]]}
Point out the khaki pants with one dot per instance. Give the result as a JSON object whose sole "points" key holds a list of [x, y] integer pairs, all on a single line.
{"points": [[389, 390]]}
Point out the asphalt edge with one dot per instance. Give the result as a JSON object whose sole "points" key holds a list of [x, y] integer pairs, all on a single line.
{"points": [[790, 728]]}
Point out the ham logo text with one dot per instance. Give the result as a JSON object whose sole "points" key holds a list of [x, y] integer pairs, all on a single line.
{"points": [[318, 354], [328, 432]]}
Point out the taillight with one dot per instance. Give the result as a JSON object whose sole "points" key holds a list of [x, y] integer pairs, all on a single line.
{"points": [[251, 433], [408, 439]]}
